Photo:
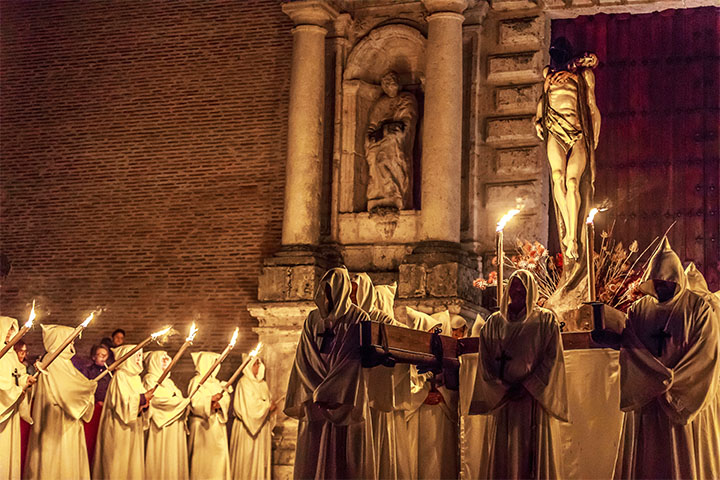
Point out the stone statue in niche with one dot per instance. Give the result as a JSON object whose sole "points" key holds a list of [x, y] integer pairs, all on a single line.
{"points": [[389, 142], [568, 121]]}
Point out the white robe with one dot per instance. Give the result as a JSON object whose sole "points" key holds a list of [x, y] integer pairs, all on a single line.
{"points": [[522, 435], [669, 389], [250, 440], [432, 429], [11, 386], [473, 443], [326, 391], [63, 400], [120, 448], [208, 443], [166, 454]]}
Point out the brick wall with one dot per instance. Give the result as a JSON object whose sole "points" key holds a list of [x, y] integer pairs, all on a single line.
{"points": [[143, 149]]}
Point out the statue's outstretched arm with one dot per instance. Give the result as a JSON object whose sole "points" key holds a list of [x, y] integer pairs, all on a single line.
{"points": [[589, 77]]}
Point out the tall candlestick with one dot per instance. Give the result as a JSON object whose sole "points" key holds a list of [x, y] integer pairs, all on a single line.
{"points": [[21, 333], [590, 253], [188, 342], [501, 251], [234, 376], [217, 362], [113, 366]]}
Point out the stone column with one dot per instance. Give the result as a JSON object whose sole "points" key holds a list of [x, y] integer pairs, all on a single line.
{"points": [[442, 128], [303, 184]]}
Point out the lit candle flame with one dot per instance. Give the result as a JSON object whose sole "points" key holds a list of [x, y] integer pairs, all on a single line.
{"points": [[193, 332], [88, 320], [234, 337], [591, 216], [256, 350], [160, 333], [31, 317], [506, 218]]}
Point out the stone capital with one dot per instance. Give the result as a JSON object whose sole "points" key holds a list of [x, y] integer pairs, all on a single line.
{"points": [[453, 6], [310, 12]]}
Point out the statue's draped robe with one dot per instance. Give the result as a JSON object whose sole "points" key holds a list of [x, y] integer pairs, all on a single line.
{"points": [[208, 444], [522, 441], [326, 391], [166, 455], [63, 400], [669, 388], [251, 437], [12, 380], [473, 444], [388, 150], [433, 429], [388, 388], [120, 450]]}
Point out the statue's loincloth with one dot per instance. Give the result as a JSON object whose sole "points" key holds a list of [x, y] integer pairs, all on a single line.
{"points": [[564, 132]]}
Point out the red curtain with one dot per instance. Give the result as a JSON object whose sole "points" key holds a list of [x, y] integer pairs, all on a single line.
{"points": [[658, 160]]}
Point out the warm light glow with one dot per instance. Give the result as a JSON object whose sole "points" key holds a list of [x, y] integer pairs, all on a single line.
{"points": [[591, 215], [88, 320], [31, 317], [256, 350], [234, 337], [193, 332], [160, 333], [506, 218]]}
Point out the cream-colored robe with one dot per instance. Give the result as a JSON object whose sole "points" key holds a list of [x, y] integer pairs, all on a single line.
{"points": [[523, 442], [250, 440], [11, 386], [208, 443], [166, 455], [63, 400], [432, 429], [669, 392], [120, 448], [326, 391]]}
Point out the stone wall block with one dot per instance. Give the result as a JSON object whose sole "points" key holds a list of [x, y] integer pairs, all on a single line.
{"points": [[515, 68], [517, 98], [303, 280], [273, 284], [442, 280], [411, 281], [520, 31], [518, 161], [511, 129]]}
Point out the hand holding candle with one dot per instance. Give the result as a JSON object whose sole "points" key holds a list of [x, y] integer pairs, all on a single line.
{"points": [[113, 366], [21, 333], [254, 353], [188, 342], [501, 250], [590, 253], [217, 362]]}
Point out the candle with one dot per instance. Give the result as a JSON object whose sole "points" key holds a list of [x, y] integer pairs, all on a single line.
{"points": [[254, 353], [21, 333], [589, 253], [501, 250], [113, 366], [188, 342], [217, 362]]}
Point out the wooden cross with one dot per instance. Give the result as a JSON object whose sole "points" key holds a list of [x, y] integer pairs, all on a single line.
{"points": [[661, 336], [327, 337], [16, 374], [503, 359]]}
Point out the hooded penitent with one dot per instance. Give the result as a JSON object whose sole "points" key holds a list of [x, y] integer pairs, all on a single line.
{"points": [[166, 449], [12, 380], [250, 441], [669, 369], [63, 400], [521, 359], [385, 299], [120, 451], [207, 444], [326, 390]]}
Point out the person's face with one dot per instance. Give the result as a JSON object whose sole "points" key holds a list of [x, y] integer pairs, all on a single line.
{"points": [[353, 293], [22, 353], [10, 334], [165, 361], [459, 333], [664, 289], [390, 86], [256, 367], [516, 293], [118, 339], [101, 356]]}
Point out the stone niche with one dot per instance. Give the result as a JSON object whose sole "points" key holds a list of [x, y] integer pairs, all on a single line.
{"points": [[399, 48]]}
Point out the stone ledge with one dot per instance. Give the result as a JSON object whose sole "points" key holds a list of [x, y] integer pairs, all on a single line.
{"points": [[517, 98], [518, 161], [514, 129], [515, 68], [521, 31], [505, 5]]}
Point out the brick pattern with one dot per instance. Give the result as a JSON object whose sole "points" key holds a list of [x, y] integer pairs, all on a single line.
{"points": [[143, 151]]}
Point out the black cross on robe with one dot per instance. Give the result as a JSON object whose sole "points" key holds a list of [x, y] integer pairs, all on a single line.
{"points": [[16, 374], [503, 359], [327, 338], [661, 336]]}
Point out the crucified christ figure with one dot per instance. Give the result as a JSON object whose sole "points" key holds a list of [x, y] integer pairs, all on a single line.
{"points": [[569, 121]]}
